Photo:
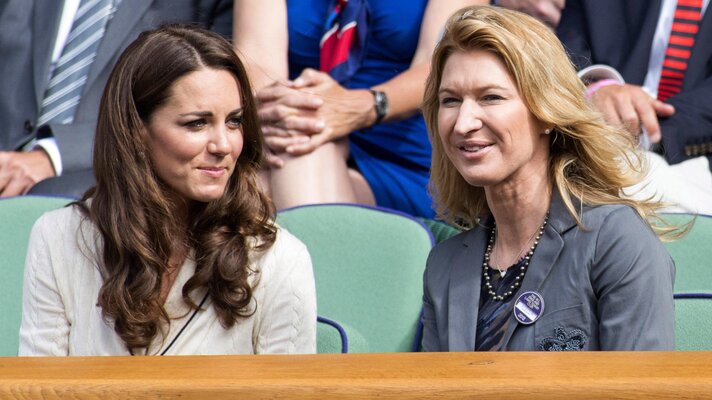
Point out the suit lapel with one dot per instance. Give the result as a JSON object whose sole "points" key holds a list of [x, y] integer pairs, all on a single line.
{"points": [[45, 23], [701, 53], [546, 254], [126, 17], [634, 62], [464, 292]]}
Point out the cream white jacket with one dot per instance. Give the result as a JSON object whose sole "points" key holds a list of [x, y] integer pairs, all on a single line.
{"points": [[61, 317]]}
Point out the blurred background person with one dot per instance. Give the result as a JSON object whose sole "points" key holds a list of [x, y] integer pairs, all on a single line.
{"points": [[339, 84], [556, 259], [56, 58], [174, 251], [646, 64]]}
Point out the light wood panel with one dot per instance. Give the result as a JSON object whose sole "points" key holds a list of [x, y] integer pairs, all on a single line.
{"points": [[679, 375]]}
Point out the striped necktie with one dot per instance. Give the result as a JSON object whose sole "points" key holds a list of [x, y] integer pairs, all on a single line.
{"points": [[70, 72], [682, 38], [344, 41]]}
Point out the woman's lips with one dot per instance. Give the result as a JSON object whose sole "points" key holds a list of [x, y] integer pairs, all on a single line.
{"points": [[214, 172], [474, 150]]}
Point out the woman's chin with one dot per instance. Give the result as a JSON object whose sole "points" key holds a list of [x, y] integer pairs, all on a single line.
{"points": [[208, 194], [480, 178]]}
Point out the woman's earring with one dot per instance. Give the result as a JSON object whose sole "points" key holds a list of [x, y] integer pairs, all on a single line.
{"points": [[547, 131]]}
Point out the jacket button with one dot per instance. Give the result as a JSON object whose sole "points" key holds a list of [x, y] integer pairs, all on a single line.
{"points": [[29, 127]]}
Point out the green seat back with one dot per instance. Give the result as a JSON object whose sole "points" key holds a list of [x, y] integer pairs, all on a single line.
{"points": [[693, 323], [692, 254], [333, 337], [368, 265], [17, 215]]}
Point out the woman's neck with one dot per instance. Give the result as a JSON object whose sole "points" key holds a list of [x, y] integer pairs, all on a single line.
{"points": [[180, 246], [179, 253], [519, 209]]}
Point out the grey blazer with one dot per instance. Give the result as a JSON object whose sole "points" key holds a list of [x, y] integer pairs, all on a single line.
{"points": [[606, 287], [27, 35]]}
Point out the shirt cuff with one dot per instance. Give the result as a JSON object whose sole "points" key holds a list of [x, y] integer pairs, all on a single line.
{"points": [[598, 72], [49, 145], [591, 89]]}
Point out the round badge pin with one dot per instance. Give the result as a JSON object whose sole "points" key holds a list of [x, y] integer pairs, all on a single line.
{"points": [[528, 307]]}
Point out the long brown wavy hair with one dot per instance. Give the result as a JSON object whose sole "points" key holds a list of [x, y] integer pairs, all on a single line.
{"points": [[590, 160], [131, 206]]}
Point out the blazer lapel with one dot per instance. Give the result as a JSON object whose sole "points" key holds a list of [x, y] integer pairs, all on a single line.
{"points": [[701, 53], [644, 15], [45, 23], [546, 254], [127, 15], [464, 292]]}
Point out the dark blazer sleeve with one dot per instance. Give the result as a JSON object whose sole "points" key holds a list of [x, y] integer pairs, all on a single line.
{"points": [[632, 276], [688, 133]]}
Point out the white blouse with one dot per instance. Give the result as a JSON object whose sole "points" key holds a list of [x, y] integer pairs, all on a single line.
{"points": [[60, 315]]}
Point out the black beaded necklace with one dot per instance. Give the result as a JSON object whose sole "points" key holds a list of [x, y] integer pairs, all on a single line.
{"points": [[522, 269]]}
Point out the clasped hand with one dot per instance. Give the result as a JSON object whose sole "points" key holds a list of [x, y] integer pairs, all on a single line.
{"points": [[299, 116]]}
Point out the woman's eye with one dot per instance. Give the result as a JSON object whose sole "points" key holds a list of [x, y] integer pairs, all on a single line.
{"points": [[492, 97], [195, 124], [235, 122], [445, 101]]}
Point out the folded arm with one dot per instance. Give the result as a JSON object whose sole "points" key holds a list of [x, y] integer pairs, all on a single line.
{"points": [[263, 38]]}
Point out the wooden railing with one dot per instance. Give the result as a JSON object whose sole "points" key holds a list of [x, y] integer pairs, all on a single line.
{"points": [[678, 375]]}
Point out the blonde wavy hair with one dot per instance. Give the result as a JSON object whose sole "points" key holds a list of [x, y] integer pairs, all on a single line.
{"points": [[589, 159]]}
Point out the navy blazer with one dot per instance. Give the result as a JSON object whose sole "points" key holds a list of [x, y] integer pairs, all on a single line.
{"points": [[606, 287], [619, 33]]}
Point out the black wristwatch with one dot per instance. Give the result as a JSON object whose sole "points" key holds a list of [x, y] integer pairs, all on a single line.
{"points": [[380, 104]]}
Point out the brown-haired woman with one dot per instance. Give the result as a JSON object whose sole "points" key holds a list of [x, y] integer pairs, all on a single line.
{"points": [[174, 251], [557, 259]]}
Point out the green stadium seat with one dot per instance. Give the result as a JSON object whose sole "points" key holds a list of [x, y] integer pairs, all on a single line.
{"points": [[17, 215], [368, 266], [693, 322], [693, 259], [333, 337]]}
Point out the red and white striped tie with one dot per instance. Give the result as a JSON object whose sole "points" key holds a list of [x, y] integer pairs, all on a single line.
{"points": [[682, 38]]}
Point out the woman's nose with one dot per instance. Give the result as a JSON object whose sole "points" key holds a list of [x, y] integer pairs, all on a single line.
{"points": [[469, 118], [219, 143]]}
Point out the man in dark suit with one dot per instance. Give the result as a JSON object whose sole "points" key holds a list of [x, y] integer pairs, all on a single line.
{"points": [[629, 36], [28, 33]]}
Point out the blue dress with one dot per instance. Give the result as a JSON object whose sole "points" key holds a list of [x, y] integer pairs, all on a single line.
{"points": [[394, 157]]}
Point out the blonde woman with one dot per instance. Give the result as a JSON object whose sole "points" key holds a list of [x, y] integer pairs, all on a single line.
{"points": [[556, 259]]}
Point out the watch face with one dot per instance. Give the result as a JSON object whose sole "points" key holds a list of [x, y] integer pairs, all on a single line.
{"points": [[380, 104]]}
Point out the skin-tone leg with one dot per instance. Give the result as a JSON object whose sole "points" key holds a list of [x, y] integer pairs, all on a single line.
{"points": [[321, 176], [364, 194]]}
